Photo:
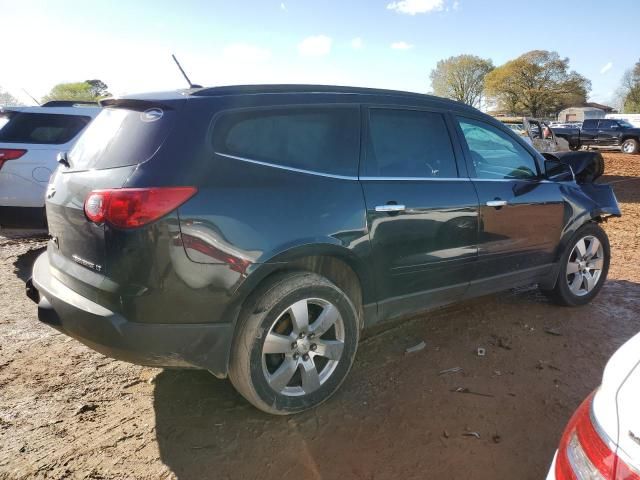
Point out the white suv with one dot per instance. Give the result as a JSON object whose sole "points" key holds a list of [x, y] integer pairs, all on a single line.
{"points": [[30, 140]]}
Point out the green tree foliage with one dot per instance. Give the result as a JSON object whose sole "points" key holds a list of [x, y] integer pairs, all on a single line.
{"points": [[89, 90], [630, 90], [461, 78], [8, 100], [536, 83]]}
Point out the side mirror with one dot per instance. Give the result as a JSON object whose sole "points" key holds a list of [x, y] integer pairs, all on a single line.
{"points": [[558, 171]]}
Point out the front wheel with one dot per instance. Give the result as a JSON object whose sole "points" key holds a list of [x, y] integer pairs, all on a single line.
{"points": [[631, 146], [583, 267], [295, 344]]}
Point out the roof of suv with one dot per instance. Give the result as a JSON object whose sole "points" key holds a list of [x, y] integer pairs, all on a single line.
{"points": [[230, 90], [89, 111]]}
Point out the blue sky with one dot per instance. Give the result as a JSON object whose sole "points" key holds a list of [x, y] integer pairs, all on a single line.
{"points": [[387, 43]]}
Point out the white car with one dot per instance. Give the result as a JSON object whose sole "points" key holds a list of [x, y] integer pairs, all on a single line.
{"points": [[602, 439], [30, 140]]}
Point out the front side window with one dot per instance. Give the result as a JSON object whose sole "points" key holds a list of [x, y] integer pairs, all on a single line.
{"points": [[43, 128], [318, 139], [495, 154], [408, 143], [607, 124]]}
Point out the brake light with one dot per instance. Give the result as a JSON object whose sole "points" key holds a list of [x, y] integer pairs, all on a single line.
{"points": [[10, 154], [583, 454], [134, 207]]}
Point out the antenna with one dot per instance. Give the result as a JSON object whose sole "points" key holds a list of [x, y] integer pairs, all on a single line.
{"points": [[191, 85], [31, 97]]}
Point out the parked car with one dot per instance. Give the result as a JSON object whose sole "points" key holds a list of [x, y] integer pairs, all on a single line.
{"points": [[602, 439], [254, 231], [537, 133], [30, 140], [603, 132]]}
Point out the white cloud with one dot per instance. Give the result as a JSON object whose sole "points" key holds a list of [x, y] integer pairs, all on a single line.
{"points": [[283, 7], [401, 46], [606, 68], [315, 46], [357, 43], [412, 7], [456, 5], [244, 52]]}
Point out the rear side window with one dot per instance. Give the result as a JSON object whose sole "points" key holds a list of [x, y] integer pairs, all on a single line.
{"points": [[408, 143], [319, 139], [43, 128], [121, 136]]}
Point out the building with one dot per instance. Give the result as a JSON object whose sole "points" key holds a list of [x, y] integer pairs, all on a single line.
{"points": [[585, 111], [580, 114]]}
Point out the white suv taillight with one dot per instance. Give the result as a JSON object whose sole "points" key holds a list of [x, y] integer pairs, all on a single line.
{"points": [[584, 455], [10, 154]]}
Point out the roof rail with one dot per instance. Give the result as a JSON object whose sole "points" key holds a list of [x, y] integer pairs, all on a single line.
{"points": [[69, 103]]}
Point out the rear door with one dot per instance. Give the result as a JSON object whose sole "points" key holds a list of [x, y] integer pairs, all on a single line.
{"points": [[589, 132], [521, 214], [422, 210]]}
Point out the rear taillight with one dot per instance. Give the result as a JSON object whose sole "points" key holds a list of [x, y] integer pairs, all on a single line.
{"points": [[134, 207], [584, 455], [10, 154]]}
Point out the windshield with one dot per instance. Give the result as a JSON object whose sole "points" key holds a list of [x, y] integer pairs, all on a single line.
{"points": [[624, 124], [42, 128]]}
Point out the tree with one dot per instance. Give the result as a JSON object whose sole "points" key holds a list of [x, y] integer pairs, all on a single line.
{"points": [[629, 91], [461, 78], [89, 90], [536, 83], [8, 100]]}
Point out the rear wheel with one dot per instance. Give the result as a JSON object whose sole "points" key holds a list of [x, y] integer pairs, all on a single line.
{"points": [[583, 267], [295, 344], [630, 146]]}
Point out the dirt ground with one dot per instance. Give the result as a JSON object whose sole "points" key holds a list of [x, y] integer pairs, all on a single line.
{"points": [[68, 412]]}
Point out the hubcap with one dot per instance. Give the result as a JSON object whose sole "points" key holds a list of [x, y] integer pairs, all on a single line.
{"points": [[585, 264], [303, 347], [627, 147]]}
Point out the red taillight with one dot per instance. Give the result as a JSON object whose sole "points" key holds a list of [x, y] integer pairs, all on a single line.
{"points": [[10, 154], [583, 454], [134, 207]]}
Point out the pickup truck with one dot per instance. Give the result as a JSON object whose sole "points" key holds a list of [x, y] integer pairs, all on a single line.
{"points": [[603, 132]]}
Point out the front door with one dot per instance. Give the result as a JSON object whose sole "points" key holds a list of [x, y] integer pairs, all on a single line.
{"points": [[422, 210], [521, 214]]}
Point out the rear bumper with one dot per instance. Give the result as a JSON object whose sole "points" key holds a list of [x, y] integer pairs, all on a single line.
{"points": [[203, 346]]}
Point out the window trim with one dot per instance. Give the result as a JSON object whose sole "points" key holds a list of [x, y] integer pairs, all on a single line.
{"points": [[366, 139], [287, 106], [509, 133]]}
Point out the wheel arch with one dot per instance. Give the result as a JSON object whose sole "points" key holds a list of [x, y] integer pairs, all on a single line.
{"points": [[338, 264]]}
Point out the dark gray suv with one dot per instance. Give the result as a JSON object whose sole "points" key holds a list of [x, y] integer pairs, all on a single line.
{"points": [[254, 231]]}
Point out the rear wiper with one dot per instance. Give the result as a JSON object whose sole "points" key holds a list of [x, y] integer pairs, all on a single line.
{"points": [[63, 160]]}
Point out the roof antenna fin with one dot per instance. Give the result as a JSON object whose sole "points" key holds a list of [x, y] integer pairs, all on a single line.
{"points": [[191, 85]]}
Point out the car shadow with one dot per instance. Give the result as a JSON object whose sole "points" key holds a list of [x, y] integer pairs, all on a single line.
{"points": [[388, 418], [23, 264]]}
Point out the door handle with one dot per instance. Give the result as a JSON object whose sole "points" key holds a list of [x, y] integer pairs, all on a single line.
{"points": [[496, 203], [390, 208]]}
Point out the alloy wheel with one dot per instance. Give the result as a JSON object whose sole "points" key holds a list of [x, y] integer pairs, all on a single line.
{"points": [[585, 265], [303, 347]]}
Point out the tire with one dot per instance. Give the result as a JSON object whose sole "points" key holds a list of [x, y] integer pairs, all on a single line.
{"points": [[274, 322], [630, 146], [571, 290]]}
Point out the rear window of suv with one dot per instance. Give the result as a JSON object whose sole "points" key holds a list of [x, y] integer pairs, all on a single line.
{"points": [[318, 139], [42, 128], [121, 136]]}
